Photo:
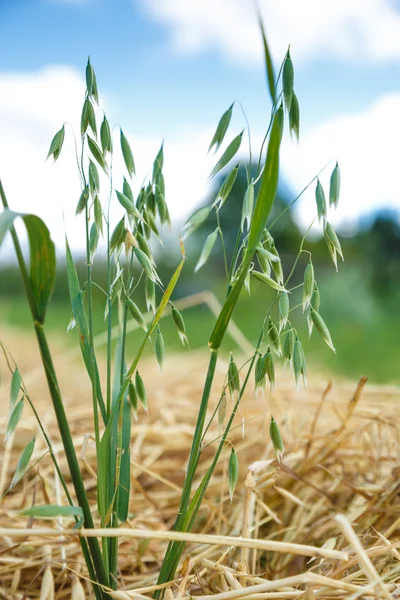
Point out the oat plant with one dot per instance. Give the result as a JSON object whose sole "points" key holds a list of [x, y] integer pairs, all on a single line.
{"points": [[129, 245]]}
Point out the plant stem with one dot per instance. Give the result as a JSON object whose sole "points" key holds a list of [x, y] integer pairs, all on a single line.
{"points": [[61, 416]]}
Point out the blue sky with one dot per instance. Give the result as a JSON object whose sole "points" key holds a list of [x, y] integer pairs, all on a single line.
{"points": [[169, 68]]}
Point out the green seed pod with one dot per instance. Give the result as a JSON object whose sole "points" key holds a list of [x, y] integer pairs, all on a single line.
{"points": [[91, 117], [84, 117], [97, 154], [141, 391], [150, 295], [269, 359], [127, 191], [143, 245], [321, 327], [260, 372], [98, 214], [276, 439], [269, 281], [158, 163], [105, 136], [146, 265], [179, 324], [320, 200], [284, 307], [288, 344], [133, 399], [57, 144], [334, 187], [207, 249], [247, 209], [195, 220], [136, 314], [226, 188], [221, 130], [233, 378], [273, 335], [308, 286], [276, 265], [93, 239], [288, 81], [84, 197], [299, 363], [94, 181], [294, 117], [333, 238], [118, 236], [160, 348], [227, 156], [316, 298], [233, 473], [263, 260], [222, 411], [127, 154]]}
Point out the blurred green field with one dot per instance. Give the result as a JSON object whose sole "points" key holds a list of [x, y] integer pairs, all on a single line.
{"points": [[365, 328]]}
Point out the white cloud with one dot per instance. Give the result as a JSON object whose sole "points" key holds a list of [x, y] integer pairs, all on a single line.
{"points": [[367, 147], [351, 29], [33, 107]]}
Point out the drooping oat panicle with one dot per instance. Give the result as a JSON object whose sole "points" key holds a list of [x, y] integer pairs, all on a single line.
{"points": [[93, 239], [316, 298], [270, 367], [127, 154], [133, 399], [136, 313], [276, 264], [105, 136], [308, 285], [247, 208], [14, 388], [233, 378], [268, 281], [98, 214], [158, 163], [150, 294], [276, 439], [94, 180], [321, 327], [332, 238], [273, 336], [195, 220], [57, 144], [23, 463], [221, 130], [160, 347], [118, 236], [179, 324], [289, 340], [222, 411], [97, 154], [288, 80], [334, 187], [233, 472], [320, 200], [227, 156], [14, 419], [299, 362], [226, 188], [207, 249], [294, 117], [82, 202], [284, 307], [141, 391], [260, 372]]}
